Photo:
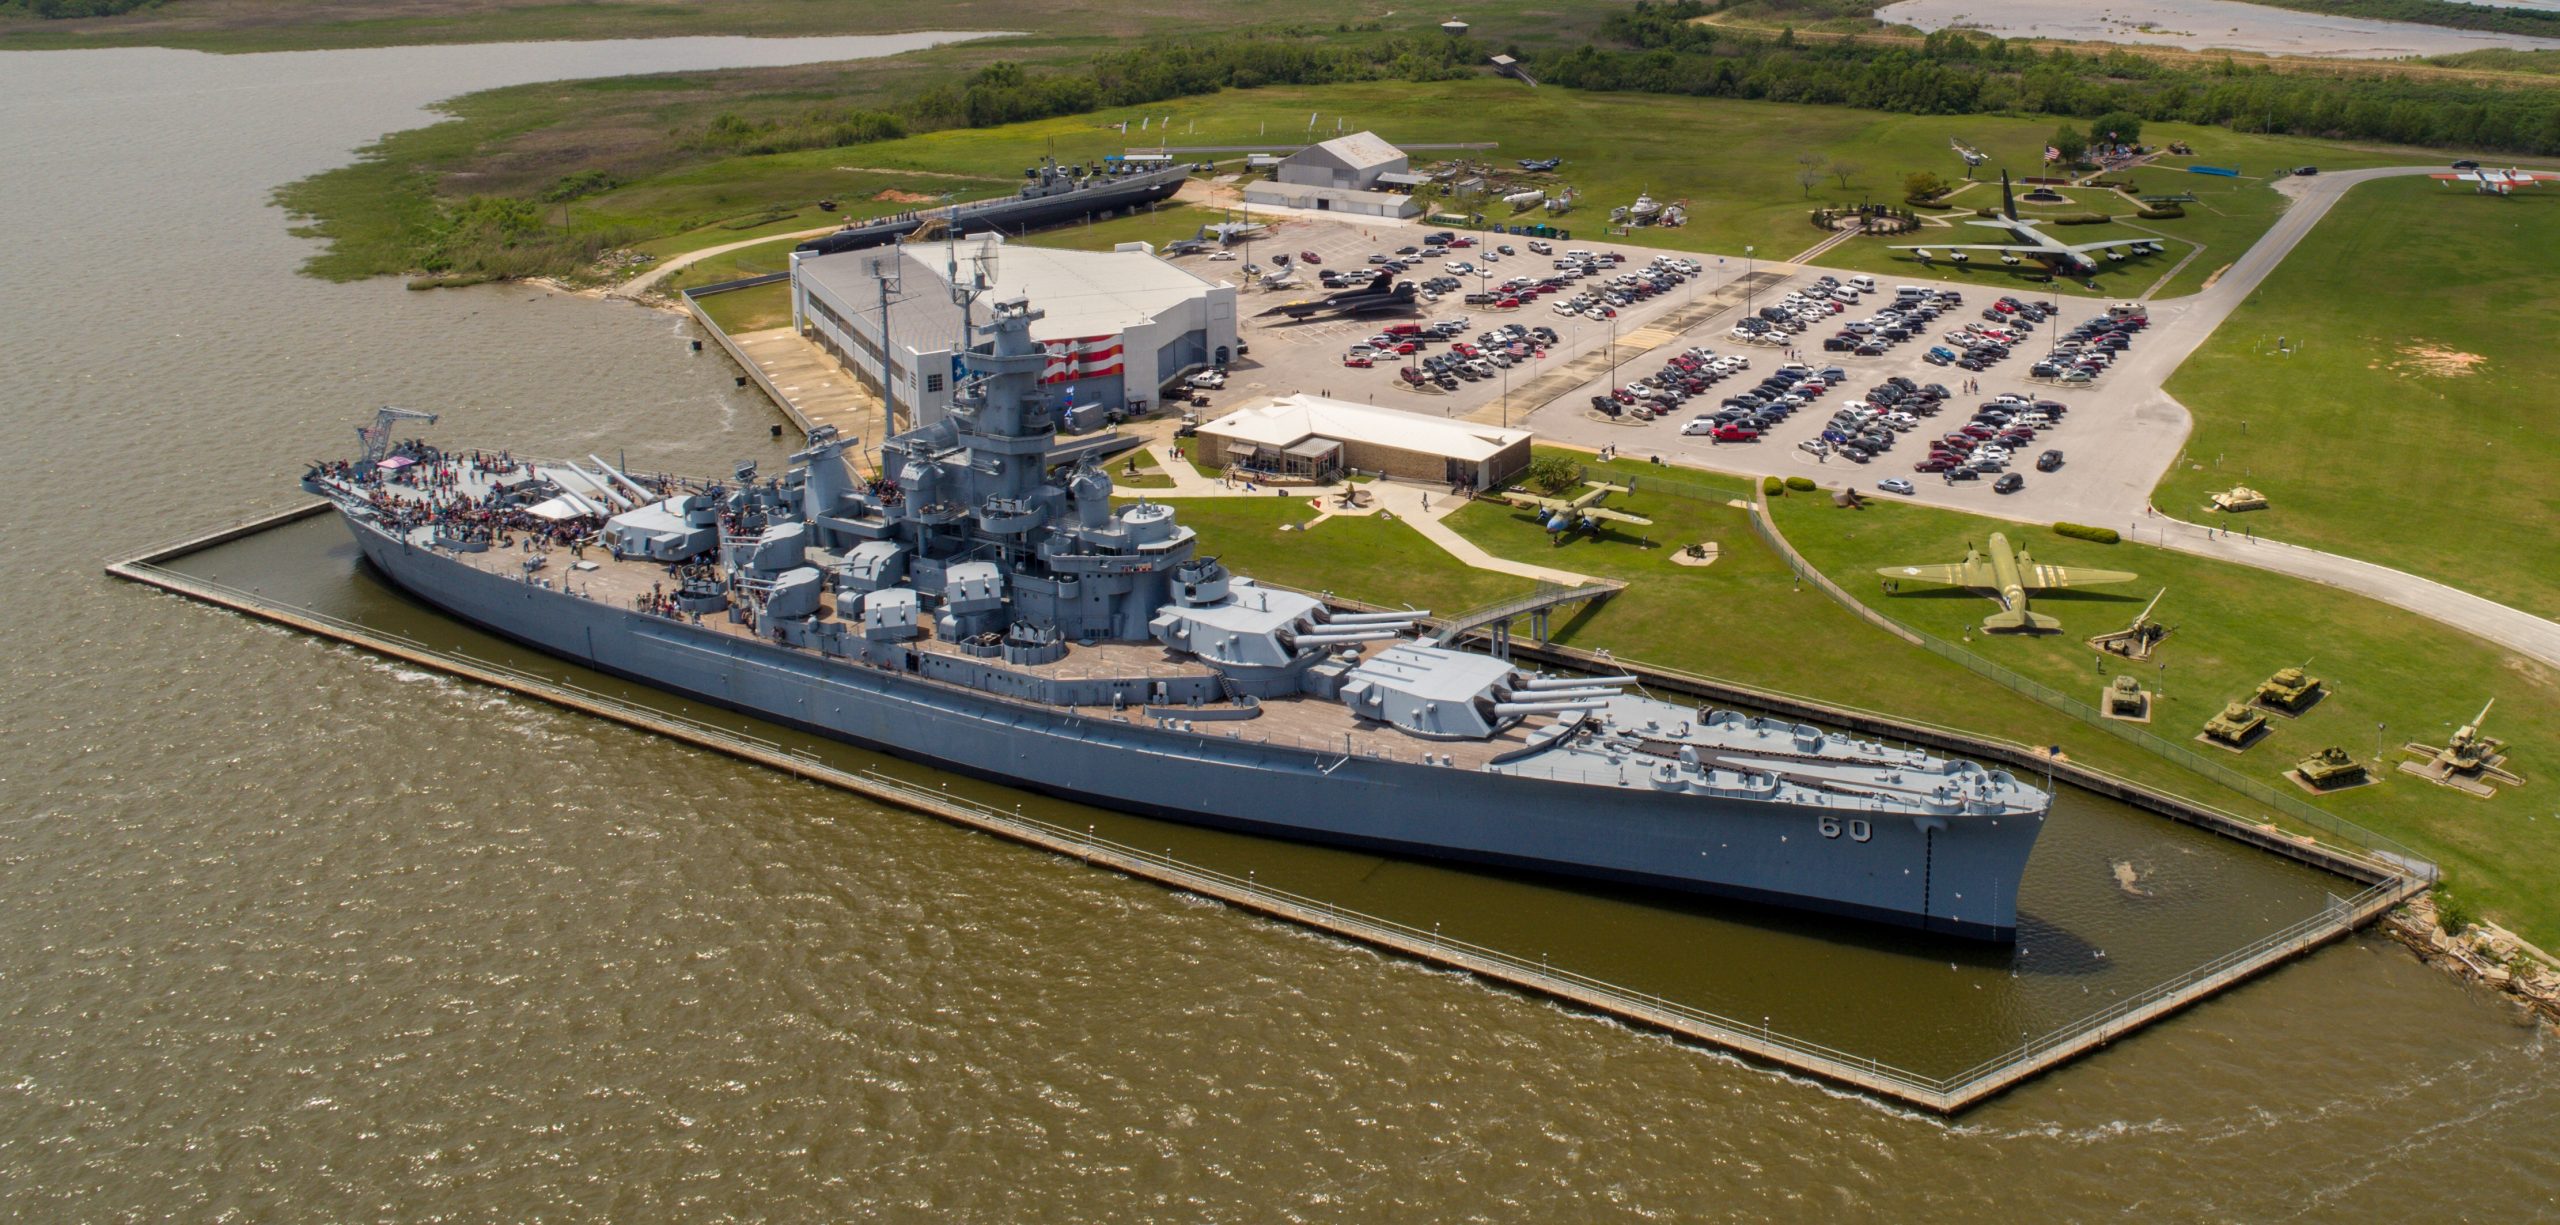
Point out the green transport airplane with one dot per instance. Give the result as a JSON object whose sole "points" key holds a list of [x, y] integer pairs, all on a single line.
{"points": [[2008, 577]]}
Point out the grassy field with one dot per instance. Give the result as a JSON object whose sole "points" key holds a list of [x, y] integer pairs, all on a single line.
{"points": [[2409, 424], [1361, 557], [1165, 224], [301, 25], [751, 310], [1735, 162], [2232, 627]]}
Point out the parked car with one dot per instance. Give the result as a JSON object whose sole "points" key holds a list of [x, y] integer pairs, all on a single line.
{"points": [[2009, 483], [1359, 361], [1895, 484]]}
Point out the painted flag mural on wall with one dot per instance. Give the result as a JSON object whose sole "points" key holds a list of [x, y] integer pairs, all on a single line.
{"points": [[1085, 357]]}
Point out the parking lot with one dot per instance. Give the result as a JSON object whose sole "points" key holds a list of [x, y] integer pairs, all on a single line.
{"points": [[1285, 356], [2115, 437], [2118, 434]]}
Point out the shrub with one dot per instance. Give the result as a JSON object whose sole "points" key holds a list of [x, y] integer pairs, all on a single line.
{"points": [[1773, 487], [2161, 212], [1801, 484], [2452, 913], [1553, 474], [2082, 219], [2082, 531]]}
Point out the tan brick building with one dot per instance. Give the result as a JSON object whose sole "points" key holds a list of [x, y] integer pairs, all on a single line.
{"points": [[1315, 438]]}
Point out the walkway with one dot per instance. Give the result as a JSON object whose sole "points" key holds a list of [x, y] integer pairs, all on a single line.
{"points": [[816, 390], [640, 284], [1421, 507]]}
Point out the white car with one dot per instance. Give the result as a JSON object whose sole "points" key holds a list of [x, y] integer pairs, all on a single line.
{"points": [[1700, 425], [1209, 380], [1222, 255]]}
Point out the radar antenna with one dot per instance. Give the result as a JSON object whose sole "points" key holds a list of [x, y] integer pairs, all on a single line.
{"points": [[377, 436]]}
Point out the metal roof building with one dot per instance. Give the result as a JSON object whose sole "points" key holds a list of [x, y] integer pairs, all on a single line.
{"points": [[1301, 434], [1341, 175], [1119, 325]]}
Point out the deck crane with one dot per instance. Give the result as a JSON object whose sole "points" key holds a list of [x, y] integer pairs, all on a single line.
{"points": [[377, 436]]}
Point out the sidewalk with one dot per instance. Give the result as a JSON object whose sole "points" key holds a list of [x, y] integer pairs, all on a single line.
{"points": [[2518, 631], [1404, 501]]}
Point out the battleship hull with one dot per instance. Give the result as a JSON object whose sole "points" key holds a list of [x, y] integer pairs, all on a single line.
{"points": [[1956, 876], [1015, 214]]}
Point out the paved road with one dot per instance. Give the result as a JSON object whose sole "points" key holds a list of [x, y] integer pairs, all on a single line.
{"points": [[639, 284]]}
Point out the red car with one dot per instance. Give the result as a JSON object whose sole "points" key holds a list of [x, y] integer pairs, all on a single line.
{"points": [[1933, 464], [1404, 329], [2004, 308], [1358, 363], [1734, 433], [1311, 257], [1507, 304], [1407, 347], [1413, 376], [1462, 242]]}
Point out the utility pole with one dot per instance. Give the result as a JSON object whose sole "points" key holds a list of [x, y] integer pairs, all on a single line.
{"points": [[1747, 266]]}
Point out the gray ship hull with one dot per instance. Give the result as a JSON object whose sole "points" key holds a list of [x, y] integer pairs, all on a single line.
{"points": [[1952, 877]]}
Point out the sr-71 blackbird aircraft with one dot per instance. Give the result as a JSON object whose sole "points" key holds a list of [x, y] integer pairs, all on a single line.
{"points": [[2031, 243], [1381, 296], [2008, 577]]}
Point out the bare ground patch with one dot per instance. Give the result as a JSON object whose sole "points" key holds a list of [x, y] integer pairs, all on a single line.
{"points": [[2432, 361]]}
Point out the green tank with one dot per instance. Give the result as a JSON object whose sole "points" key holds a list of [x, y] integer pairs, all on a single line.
{"points": [[2125, 698], [2235, 725], [2291, 690], [2330, 767]]}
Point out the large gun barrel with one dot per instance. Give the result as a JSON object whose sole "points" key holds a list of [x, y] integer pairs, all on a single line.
{"points": [[1542, 684], [1376, 618], [1567, 695], [1510, 709], [1344, 637]]}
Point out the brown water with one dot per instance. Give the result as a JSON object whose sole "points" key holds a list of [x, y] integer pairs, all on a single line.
{"points": [[294, 933]]}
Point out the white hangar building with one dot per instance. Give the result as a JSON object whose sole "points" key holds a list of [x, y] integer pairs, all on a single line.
{"points": [[1119, 325]]}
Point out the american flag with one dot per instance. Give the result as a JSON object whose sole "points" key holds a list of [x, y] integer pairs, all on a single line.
{"points": [[2052, 154], [1085, 357]]}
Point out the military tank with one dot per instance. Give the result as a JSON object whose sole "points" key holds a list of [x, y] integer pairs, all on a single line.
{"points": [[2126, 700], [2290, 691], [2238, 726], [2239, 498], [2330, 769]]}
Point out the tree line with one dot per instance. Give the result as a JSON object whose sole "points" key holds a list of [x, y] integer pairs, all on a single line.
{"points": [[1658, 49]]}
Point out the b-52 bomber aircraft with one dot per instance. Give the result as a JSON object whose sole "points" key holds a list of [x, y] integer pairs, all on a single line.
{"points": [[2031, 243], [1581, 512], [2008, 577], [2490, 182], [1381, 296]]}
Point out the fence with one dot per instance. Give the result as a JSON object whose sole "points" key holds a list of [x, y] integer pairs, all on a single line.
{"points": [[2291, 808]]}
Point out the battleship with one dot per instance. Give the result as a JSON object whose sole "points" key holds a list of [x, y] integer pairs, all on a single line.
{"points": [[972, 605], [1050, 193]]}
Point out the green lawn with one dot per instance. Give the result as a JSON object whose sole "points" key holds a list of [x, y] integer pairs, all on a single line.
{"points": [[1363, 557], [1167, 223], [2232, 627], [1733, 161], [750, 310], [758, 260], [1139, 470], [2410, 424]]}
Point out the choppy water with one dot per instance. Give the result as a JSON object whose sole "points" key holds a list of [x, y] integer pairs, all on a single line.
{"points": [[295, 933]]}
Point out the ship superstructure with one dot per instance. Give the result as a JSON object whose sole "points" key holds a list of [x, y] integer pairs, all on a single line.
{"points": [[968, 604]]}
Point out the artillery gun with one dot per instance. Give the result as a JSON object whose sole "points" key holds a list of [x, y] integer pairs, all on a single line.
{"points": [[2236, 728], [2471, 761], [2138, 640]]}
